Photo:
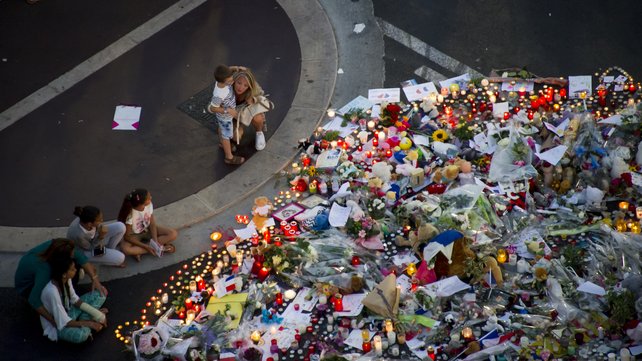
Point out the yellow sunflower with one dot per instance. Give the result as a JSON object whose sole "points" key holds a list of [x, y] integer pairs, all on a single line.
{"points": [[439, 135]]}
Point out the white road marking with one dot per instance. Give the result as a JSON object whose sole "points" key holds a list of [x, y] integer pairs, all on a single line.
{"points": [[425, 50], [429, 74], [96, 62]]}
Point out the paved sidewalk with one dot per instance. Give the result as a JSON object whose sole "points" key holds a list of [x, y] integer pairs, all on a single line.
{"points": [[327, 42], [212, 206]]}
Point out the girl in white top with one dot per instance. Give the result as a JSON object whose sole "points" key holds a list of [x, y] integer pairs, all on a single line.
{"points": [[99, 241], [74, 317], [137, 212]]}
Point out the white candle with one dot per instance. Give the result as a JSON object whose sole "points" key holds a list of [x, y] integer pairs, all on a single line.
{"points": [[371, 125], [330, 319], [165, 298], [382, 136], [191, 314], [376, 341], [323, 299], [331, 113], [625, 354], [289, 294], [392, 337]]}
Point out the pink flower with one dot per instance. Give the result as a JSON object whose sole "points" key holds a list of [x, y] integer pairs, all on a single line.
{"points": [[362, 234]]}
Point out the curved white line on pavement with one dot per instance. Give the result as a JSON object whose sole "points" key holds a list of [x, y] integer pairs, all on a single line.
{"points": [[97, 61]]}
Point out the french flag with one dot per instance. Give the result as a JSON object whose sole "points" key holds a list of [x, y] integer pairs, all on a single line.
{"points": [[224, 286], [493, 338]]}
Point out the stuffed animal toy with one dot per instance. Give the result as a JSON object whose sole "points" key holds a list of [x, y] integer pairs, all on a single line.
{"points": [[404, 169], [261, 211], [411, 157], [375, 182], [493, 267], [382, 170], [424, 233], [456, 266]]}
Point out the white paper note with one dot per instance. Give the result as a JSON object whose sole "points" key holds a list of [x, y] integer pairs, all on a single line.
{"points": [[462, 80], [499, 109], [359, 102], [126, 118], [526, 86], [553, 155], [355, 339], [419, 91], [246, 232], [560, 129], [352, 305], [338, 215], [448, 287], [579, 84], [389, 95]]}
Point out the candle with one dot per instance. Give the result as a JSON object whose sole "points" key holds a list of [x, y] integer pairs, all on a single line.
{"points": [[312, 187], [200, 283], [392, 337], [263, 273], [255, 337], [165, 298], [381, 136], [190, 316], [388, 327], [467, 333], [279, 298], [215, 236], [289, 294], [625, 354], [338, 303], [638, 212], [502, 255], [323, 299], [189, 303], [331, 113], [624, 206], [512, 259], [378, 346], [355, 260], [215, 273], [431, 353], [192, 286], [371, 125], [411, 269], [239, 259]]}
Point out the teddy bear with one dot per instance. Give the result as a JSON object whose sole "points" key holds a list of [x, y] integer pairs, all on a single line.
{"points": [[381, 170], [261, 211], [423, 234], [456, 266]]}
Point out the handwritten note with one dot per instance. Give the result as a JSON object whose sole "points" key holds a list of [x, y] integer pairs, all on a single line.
{"points": [[526, 86], [579, 84], [359, 102], [389, 95], [355, 339], [352, 305], [419, 91]]}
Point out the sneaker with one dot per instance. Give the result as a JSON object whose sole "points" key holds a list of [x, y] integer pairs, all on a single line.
{"points": [[260, 141]]}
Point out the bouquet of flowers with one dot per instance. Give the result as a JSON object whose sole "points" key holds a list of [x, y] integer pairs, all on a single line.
{"points": [[390, 114], [365, 231], [149, 343], [376, 208], [348, 170]]}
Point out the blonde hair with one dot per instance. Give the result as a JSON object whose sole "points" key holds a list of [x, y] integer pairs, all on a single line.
{"points": [[254, 89]]}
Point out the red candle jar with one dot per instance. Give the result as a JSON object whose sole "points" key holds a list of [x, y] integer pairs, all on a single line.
{"points": [[279, 298], [375, 142], [181, 315], [355, 261], [338, 303], [309, 329], [189, 303], [262, 274], [388, 153], [306, 161], [266, 236], [366, 346]]}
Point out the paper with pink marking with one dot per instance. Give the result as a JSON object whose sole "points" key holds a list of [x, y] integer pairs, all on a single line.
{"points": [[126, 117]]}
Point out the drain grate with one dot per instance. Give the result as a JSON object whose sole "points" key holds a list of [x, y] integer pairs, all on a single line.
{"points": [[196, 108]]}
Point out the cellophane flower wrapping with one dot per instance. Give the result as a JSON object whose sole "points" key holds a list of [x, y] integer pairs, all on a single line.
{"points": [[149, 343], [512, 158]]}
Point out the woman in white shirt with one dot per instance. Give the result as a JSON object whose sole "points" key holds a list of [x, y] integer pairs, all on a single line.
{"points": [[74, 317], [142, 234]]}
